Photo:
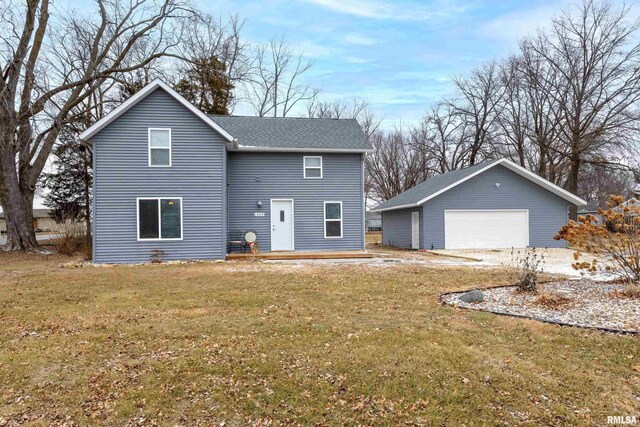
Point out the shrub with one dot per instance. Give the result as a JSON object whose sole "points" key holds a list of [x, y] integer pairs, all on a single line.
{"points": [[553, 301], [527, 264], [632, 291], [615, 240], [72, 237]]}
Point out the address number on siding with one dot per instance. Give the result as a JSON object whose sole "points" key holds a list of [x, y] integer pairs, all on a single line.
{"points": [[258, 214]]}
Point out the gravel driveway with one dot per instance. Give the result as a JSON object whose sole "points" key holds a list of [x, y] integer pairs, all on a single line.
{"points": [[557, 260]]}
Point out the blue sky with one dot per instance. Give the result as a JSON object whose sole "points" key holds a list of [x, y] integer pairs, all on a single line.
{"points": [[399, 55]]}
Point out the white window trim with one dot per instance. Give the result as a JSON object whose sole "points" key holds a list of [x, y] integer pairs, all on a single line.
{"points": [[159, 148], [159, 199], [305, 167], [324, 217]]}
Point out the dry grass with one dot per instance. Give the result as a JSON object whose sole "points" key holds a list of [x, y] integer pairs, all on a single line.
{"points": [[373, 238], [248, 343], [553, 301], [631, 291]]}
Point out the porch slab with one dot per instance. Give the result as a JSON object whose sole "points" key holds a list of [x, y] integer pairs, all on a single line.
{"points": [[300, 255]]}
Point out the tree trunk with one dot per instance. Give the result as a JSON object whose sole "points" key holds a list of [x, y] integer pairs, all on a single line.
{"points": [[18, 215], [574, 169], [17, 205], [572, 180]]}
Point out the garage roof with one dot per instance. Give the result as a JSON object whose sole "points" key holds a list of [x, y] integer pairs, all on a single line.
{"points": [[438, 184]]}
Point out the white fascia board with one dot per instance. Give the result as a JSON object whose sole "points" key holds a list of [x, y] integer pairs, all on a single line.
{"points": [[139, 96], [449, 187], [302, 150], [395, 208], [520, 171]]}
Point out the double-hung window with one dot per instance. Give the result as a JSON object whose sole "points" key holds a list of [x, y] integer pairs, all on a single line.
{"points": [[313, 167], [159, 218], [159, 147], [332, 220]]}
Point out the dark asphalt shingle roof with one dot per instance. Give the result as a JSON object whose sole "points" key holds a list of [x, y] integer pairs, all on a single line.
{"points": [[297, 133], [431, 186]]}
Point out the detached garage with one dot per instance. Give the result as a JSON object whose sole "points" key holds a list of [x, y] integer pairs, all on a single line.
{"points": [[492, 205]]}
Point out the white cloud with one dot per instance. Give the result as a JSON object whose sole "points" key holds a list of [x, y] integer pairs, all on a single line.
{"points": [[359, 39], [514, 26], [356, 60], [393, 10], [316, 50]]}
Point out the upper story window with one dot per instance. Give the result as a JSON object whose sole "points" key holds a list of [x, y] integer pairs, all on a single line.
{"points": [[159, 147], [313, 166]]}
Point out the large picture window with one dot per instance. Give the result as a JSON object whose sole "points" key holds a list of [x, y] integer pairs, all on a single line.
{"points": [[160, 218], [159, 147], [332, 220], [313, 167]]}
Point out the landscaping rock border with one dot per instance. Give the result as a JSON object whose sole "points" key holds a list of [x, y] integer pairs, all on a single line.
{"points": [[588, 294]]}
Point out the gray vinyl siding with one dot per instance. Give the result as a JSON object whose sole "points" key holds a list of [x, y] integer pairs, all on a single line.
{"points": [[122, 174], [547, 211], [254, 177], [396, 228]]}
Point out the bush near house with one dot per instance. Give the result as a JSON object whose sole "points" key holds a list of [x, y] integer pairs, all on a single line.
{"points": [[615, 241]]}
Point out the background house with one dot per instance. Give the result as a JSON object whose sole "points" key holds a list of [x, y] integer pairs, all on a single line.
{"points": [[373, 221], [42, 221]]}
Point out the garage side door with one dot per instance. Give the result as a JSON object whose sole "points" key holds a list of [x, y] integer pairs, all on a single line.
{"points": [[486, 229]]}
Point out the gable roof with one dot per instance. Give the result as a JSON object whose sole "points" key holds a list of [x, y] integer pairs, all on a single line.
{"points": [[437, 185], [259, 133], [294, 134], [139, 96]]}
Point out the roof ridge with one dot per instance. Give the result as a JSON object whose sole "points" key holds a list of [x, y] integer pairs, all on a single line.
{"points": [[275, 118]]}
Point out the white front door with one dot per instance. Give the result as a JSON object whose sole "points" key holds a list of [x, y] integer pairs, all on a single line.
{"points": [[281, 224], [415, 230], [486, 229]]}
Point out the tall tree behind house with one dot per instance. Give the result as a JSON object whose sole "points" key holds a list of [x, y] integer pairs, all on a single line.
{"points": [[206, 85]]}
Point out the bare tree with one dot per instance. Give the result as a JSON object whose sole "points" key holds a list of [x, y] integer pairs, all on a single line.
{"points": [[595, 56], [442, 139], [212, 41], [274, 87], [51, 63], [394, 166], [355, 109], [477, 103], [545, 154]]}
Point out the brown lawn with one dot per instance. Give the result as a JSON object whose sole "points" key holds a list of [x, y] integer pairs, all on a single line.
{"points": [[249, 343]]}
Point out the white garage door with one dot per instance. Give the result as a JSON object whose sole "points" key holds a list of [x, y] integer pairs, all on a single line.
{"points": [[486, 229]]}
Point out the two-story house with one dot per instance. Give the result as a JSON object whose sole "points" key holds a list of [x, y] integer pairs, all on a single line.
{"points": [[171, 180]]}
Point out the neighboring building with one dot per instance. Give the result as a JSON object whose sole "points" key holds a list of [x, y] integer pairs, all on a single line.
{"points": [[494, 204], [373, 221], [42, 221], [591, 208], [170, 180]]}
